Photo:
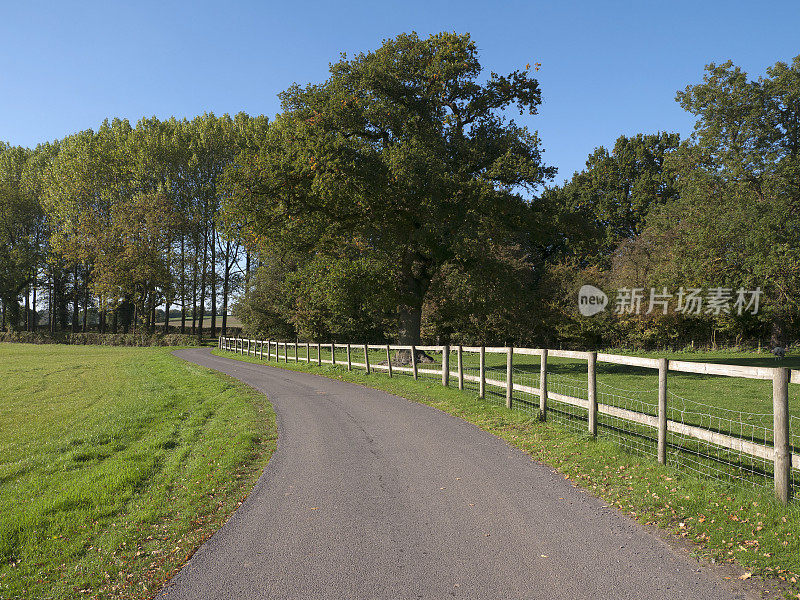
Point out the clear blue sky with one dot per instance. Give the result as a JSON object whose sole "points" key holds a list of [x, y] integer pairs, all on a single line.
{"points": [[608, 68]]}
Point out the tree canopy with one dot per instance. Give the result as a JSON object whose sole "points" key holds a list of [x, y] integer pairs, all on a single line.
{"points": [[404, 154]]}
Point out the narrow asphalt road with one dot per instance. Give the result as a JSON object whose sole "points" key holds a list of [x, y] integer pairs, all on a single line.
{"points": [[372, 496]]}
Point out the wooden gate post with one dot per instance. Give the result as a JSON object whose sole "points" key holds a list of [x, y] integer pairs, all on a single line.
{"points": [[482, 372], [543, 386], [591, 370], [414, 361], [319, 354], [349, 364], [509, 376], [460, 369], [366, 358], [389, 359], [780, 409], [663, 367], [333, 354], [446, 366]]}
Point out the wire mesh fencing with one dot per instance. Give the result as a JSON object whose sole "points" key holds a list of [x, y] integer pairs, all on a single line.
{"points": [[733, 439]]}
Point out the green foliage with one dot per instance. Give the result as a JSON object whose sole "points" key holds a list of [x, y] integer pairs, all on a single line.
{"points": [[403, 150], [98, 339], [20, 229], [613, 196]]}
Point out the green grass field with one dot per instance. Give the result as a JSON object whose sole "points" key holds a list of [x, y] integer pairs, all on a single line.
{"points": [[727, 520], [115, 464]]}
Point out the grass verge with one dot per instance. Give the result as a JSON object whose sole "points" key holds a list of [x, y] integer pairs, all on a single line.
{"points": [[115, 465], [726, 523]]}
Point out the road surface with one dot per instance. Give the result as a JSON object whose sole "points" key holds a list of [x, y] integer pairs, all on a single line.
{"points": [[369, 495]]}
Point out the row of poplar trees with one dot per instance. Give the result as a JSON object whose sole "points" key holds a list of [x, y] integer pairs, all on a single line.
{"points": [[100, 228]]}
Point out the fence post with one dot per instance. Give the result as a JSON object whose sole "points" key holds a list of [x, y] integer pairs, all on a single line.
{"points": [[663, 367], [296, 343], [261, 350], [366, 357], [509, 376], [482, 372], [308, 352], [389, 359], [285, 352], [333, 354], [242, 347], [446, 366], [780, 409], [460, 369], [414, 361], [543, 386], [592, 395], [349, 364]]}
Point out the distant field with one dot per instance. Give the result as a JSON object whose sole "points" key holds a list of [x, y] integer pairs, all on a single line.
{"points": [[115, 463], [232, 321]]}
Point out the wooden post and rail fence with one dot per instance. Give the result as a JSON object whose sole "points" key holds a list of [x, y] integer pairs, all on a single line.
{"points": [[779, 453]]}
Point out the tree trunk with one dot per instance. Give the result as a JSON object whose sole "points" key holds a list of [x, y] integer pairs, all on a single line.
{"points": [[28, 309], [75, 301], [86, 302], [194, 295], [415, 285], [203, 274], [183, 284], [213, 280], [225, 284], [35, 315], [777, 333], [51, 315], [247, 271]]}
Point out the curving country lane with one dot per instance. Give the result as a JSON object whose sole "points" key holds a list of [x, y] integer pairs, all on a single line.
{"points": [[369, 496]]}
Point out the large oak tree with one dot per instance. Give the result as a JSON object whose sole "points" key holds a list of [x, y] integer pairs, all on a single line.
{"points": [[403, 152]]}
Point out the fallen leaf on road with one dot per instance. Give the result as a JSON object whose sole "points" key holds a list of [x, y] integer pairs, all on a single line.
{"points": [[745, 576]]}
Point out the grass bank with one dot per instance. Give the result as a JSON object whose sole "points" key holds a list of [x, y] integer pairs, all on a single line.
{"points": [[115, 464], [726, 522]]}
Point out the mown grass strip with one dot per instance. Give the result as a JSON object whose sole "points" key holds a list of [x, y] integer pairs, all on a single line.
{"points": [[727, 523], [115, 464]]}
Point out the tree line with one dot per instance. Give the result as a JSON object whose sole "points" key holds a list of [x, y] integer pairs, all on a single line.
{"points": [[399, 200], [104, 227]]}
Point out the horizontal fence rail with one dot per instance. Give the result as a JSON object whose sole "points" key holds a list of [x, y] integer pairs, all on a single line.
{"points": [[617, 411]]}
